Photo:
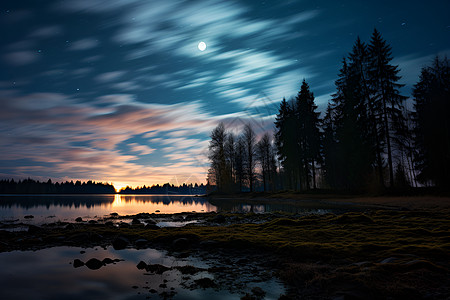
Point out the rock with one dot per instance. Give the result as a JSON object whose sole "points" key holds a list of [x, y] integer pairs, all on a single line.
{"points": [[136, 221], [163, 285], [181, 244], [153, 291], [141, 243], [157, 211], [190, 270], [94, 264], [114, 214], [28, 217], [205, 283], [151, 226], [156, 268], [219, 219], [34, 229], [107, 261], [82, 252], [69, 226], [141, 265], [209, 244], [92, 222], [79, 219], [120, 243], [135, 287], [124, 225], [77, 263], [109, 224]]}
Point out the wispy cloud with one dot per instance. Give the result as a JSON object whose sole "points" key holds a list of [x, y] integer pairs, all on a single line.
{"points": [[83, 44]]}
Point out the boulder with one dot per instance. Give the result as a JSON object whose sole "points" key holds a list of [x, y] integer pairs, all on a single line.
{"points": [[120, 243], [141, 265], [181, 244], [77, 263], [141, 243], [136, 221], [79, 219], [28, 217], [94, 264]]}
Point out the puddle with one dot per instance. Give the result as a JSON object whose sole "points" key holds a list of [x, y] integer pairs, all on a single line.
{"points": [[50, 274]]}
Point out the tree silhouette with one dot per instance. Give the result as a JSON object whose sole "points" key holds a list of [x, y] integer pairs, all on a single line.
{"points": [[432, 132]]}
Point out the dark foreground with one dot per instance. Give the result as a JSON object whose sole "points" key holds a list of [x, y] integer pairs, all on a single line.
{"points": [[384, 251]]}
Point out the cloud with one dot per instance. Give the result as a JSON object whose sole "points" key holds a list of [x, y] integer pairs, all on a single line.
{"points": [[83, 44], [20, 58], [46, 32], [141, 149], [109, 76]]}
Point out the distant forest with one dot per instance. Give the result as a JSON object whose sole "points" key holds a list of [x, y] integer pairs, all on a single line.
{"points": [[30, 186], [368, 140], [184, 189]]}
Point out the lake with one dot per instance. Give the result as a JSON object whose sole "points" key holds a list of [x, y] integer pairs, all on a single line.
{"points": [[51, 208]]}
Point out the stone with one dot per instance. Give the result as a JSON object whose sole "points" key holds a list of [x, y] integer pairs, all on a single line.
{"points": [[205, 283], [28, 217], [94, 264], [114, 214], [120, 243], [156, 268], [219, 219], [181, 244], [141, 243], [77, 263], [69, 226], [79, 219], [92, 222], [136, 221], [34, 229], [141, 265]]}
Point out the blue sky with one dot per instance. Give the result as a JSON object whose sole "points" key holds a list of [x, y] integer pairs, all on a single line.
{"points": [[118, 90]]}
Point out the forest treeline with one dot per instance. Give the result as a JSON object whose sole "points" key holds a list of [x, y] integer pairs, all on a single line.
{"points": [[167, 188], [31, 186], [368, 139]]}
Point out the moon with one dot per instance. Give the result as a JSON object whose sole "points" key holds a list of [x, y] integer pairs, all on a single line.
{"points": [[201, 46]]}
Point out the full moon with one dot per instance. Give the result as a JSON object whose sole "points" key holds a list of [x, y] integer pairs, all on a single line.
{"points": [[202, 46]]}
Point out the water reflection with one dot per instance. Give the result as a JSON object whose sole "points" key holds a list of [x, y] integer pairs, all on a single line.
{"points": [[69, 207], [49, 274]]}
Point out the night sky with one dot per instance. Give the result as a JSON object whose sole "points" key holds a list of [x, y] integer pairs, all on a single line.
{"points": [[118, 90]]}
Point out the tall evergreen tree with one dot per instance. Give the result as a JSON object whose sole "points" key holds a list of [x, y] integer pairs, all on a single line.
{"points": [[308, 134], [285, 141], [388, 104], [432, 134]]}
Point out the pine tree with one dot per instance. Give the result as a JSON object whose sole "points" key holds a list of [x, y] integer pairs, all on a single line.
{"points": [[432, 133], [285, 138], [308, 134], [383, 77]]}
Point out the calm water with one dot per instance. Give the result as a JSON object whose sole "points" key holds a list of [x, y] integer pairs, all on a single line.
{"points": [[49, 274], [51, 208], [68, 207]]}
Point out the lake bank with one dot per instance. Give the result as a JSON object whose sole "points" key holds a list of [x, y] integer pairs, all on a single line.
{"points": [[396, 252]]}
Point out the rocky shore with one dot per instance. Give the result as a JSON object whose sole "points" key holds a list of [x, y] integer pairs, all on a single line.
{"points": [[370, 254]]}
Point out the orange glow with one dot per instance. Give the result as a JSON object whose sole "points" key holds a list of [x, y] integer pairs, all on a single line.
{"points": [[132, 204]]}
